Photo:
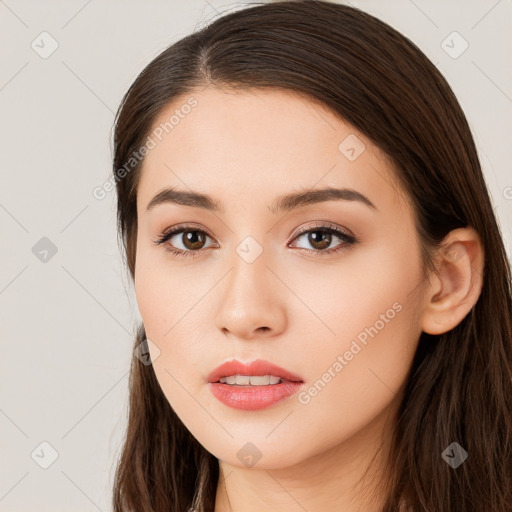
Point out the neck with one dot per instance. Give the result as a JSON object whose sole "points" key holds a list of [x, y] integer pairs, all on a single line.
{"points": [[348, 477]]}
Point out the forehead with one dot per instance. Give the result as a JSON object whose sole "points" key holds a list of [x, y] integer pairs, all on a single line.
{"points": [[258, 143]]}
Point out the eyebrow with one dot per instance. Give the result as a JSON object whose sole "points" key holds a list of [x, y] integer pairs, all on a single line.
{"points": [[283, 203]]}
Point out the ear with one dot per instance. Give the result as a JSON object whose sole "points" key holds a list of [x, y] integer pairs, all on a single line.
{"points": [[455, 285]]}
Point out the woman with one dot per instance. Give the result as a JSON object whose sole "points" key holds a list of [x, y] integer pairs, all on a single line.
{"points": [[324, 289]]}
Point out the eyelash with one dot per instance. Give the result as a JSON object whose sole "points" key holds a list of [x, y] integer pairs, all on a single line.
{"points": [[347, 239]]}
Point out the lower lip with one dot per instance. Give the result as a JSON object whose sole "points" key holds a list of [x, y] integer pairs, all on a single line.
{"points": [[251, 398]]}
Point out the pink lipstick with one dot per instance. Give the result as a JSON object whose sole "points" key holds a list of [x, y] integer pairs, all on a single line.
{"points": [[252, 386]]}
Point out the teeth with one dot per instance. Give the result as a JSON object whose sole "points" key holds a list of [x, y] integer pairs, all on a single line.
{"points": [[250, 380]]}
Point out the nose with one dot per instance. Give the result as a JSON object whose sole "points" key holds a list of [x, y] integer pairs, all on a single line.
{"points": [[252, 301]]}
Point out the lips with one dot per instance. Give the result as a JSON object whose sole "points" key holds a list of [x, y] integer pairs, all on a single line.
{"points": [[258, 367]]}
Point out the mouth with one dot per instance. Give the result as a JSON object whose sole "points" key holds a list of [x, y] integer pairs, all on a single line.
{"points": [[253, 386], [257, 373], [252, 380]]}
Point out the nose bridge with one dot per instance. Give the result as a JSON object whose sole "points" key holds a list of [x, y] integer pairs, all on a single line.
{"points": [[251, 254], [248, 279]]}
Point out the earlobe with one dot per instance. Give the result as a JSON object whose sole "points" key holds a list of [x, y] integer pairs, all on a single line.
{"points": [[455, 287]]}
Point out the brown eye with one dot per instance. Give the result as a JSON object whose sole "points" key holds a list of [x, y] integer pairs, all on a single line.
{"points": [[183, 241], [193, 239], [320, 239]]}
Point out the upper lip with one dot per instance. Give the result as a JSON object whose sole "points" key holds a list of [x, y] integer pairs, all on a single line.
{"points": [[258, 367]]}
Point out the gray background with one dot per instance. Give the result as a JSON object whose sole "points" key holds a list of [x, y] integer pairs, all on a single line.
{"points": [[68, 318]]}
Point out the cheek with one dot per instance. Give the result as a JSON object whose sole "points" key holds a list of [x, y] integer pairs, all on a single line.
{"points": [[358, 373], [160, 292], [367, 316], [170, 312], [346, 298]]}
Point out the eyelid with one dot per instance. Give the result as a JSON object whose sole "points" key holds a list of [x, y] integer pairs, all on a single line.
{"points": [[317, 224], [185, 226], [322, 224]]}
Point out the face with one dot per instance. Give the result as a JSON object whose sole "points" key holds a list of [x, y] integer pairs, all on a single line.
{"points": [[329, 289]]}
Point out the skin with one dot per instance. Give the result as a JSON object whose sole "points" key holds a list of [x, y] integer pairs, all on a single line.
{"points": [[245, 149]]}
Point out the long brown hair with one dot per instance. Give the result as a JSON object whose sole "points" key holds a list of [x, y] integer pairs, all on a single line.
{"points": [[460, 385]]}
